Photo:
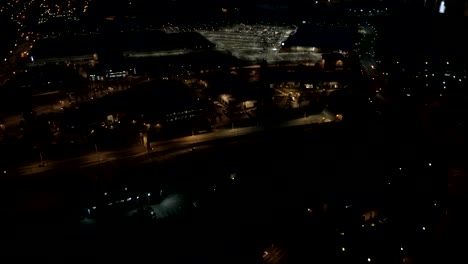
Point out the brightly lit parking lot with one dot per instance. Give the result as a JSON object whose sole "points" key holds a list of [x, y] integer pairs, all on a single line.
{"points": [[255, 42]]}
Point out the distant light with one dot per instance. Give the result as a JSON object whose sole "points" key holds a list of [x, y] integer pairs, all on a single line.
{"points": [[149, 194], [343, 249], [4, 172], [447, 63], [94, 207], [105, 193], [368, 259], [401, 248], [430, 164], [423, 228], [32, 58], [442, 8]]}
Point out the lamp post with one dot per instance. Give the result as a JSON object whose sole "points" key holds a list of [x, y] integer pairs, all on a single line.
{"points": [[97, 154]]}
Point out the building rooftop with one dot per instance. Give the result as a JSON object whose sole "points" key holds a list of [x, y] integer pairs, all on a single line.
{"points": [[323, 37]]}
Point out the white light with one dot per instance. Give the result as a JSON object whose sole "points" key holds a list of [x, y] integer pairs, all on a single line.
{"points": [[430, 164], [343, 249], [149, 194], [4, 171], [105, 193], [442, 9], [423, 228], [401, 248], [368, 260]]}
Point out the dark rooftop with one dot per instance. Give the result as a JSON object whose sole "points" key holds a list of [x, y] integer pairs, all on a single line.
{"points": [[127, 41], [323, 37]]}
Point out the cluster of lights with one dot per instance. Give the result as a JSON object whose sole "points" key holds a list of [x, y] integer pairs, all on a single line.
{"points": [[65, 10], [372, 12]]}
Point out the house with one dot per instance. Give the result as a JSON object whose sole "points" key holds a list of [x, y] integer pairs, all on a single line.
{"points": [[236, 103]]}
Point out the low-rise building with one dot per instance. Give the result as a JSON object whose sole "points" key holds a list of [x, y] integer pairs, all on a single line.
{"points": [[237, 103]]}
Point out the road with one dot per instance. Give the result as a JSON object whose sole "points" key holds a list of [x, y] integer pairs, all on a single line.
{"points": [[274, 255], [173, 147]]}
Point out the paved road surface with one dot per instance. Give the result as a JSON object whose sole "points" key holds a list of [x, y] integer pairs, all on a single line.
{"points": [[173, 147]]}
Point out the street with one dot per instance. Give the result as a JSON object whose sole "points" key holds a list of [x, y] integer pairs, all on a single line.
{"points": [[178, 146]]}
